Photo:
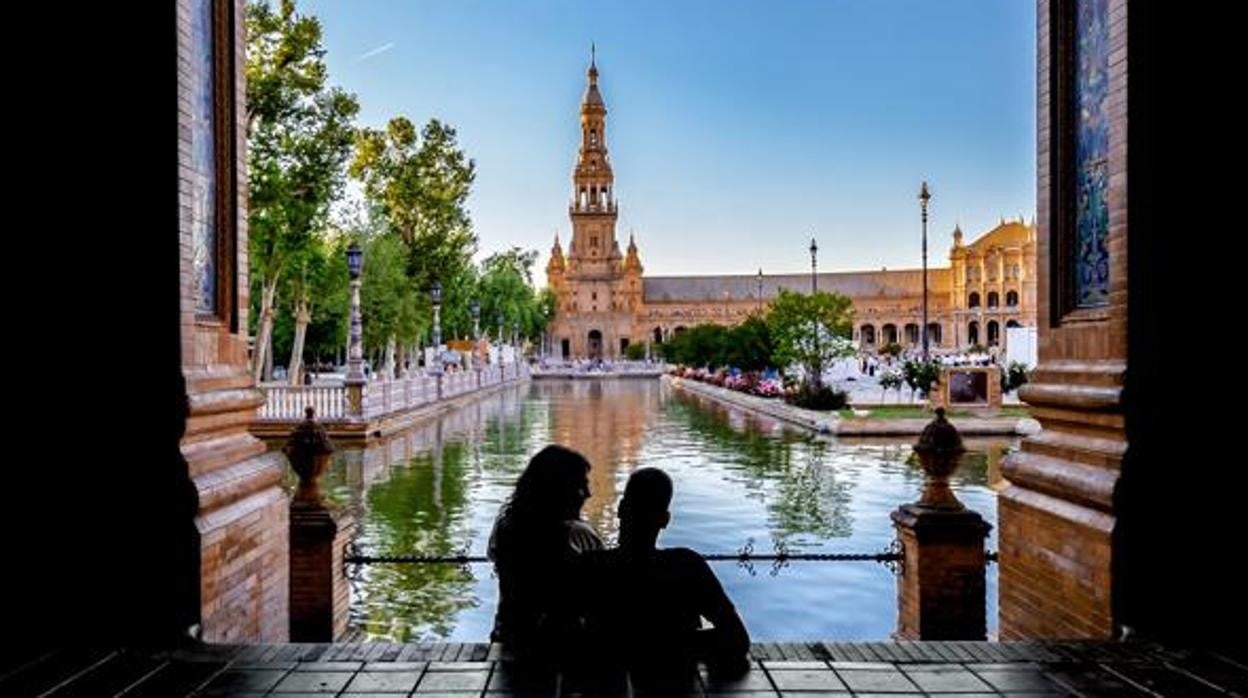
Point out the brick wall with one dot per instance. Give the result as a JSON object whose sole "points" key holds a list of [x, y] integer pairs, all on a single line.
{"points": [[242, 518], [1056, 517]]}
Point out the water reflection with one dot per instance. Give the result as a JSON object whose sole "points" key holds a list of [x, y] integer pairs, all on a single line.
{"points": [[739, 478]]}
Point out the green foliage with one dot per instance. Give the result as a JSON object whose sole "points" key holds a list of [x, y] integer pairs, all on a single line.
{"points": [[811, 330], [390, 306], [506, 292], [891, 349], [703, 345], [300, 134], [1013, 376], [921, 375], [818, 397], [976, 349], [635, 352], [748, 346], [419, 184]]}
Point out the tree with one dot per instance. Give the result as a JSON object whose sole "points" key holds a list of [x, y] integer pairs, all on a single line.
{"points": [[811, 330], [749, 345], [506, 285], [419, 184], [300, 134]]}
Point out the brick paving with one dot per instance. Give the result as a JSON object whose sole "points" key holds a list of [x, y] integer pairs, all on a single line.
{"points": [[806, 670]]}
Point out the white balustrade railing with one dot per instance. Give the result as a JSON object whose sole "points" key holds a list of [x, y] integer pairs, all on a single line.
{"points": [[286, 403]]}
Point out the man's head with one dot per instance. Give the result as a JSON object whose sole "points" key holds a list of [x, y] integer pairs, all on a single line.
{"points": [[644, 506]]}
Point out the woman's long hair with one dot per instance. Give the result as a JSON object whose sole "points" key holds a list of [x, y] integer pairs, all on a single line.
{"points": [[532, 518]]}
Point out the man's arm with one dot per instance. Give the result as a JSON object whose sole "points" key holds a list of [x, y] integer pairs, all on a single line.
{"points": [[729, 641]]}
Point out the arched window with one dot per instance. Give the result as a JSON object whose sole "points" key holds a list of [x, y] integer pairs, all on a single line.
{"points": [[658, 335], [890, 333], [994, 299], [933, 333], [1011, 298], [868, 334], [973, 300], [972, 333], [912, 333], [593, 138], [994, 333], [1012, 323]]}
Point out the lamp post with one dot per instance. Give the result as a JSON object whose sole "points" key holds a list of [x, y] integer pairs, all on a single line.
{"points": [[813, 250], [435, 294], [760, 290], [476, 320], [498, 320], [355, 340], [515, 333], [924, 197]]}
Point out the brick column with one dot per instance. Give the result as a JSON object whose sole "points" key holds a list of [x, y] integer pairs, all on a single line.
{"points": [[319, 594], [940, 595], [318, 536]]}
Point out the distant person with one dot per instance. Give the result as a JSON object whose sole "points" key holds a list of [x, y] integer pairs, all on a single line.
{"points": [[537, 533], [646, 604]]}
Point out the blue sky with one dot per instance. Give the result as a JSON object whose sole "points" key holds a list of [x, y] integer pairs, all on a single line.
{"points": [[736, 129]]}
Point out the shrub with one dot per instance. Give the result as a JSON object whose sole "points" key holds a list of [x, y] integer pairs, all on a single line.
{"points": [[818, 398], [1013, 376], [892, 349], [635, 352], [921, 375]]}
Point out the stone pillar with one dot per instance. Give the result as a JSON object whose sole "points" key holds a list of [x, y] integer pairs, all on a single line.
{"points": [[319, 594], [940, 595]]}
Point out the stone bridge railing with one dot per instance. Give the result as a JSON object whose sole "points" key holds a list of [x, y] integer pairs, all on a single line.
{"points": [[379, 398]]}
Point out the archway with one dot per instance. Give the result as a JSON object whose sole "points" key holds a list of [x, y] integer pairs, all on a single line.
{"points": [[594, 346], [868, 334], [994, 333], [933, 333], [1011, 298], [973, 300], [565, 348], [972, 333], [994, 299], [658, 335], [890, 333], [912, 333], [680, 329]]}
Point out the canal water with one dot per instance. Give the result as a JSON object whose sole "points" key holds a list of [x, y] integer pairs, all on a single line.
{"points": [[742, 481]]}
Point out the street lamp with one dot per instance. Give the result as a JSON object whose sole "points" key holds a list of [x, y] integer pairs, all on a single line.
{"points": [[435, 294], [515, 333], [498, 318], [813, 250], [924, 197], [476, 320], [355, 343], [760, 290]]}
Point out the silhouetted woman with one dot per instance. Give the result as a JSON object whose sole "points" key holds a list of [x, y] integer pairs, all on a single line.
{"points": [[537, 533]]}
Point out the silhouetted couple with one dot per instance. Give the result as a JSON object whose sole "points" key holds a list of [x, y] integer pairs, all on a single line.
{"points": [[563, 597]]}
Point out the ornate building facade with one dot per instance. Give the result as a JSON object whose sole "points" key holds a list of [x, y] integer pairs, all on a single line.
{"points": [[604, 304]]}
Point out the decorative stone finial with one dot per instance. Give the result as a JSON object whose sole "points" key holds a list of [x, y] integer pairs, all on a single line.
{"points": [[939, 448], [308, 451]]}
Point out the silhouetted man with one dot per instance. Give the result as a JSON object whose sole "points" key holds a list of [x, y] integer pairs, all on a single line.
{"points": [[648, 603]]}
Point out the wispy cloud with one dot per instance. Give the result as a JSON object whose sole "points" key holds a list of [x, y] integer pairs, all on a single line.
{"points": [[375, 52]]}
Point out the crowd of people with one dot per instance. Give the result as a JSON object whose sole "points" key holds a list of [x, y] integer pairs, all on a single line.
{"points": [[635, 610]]}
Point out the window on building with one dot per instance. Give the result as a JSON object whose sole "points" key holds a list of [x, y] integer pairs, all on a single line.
{"points": [[973, 300]]}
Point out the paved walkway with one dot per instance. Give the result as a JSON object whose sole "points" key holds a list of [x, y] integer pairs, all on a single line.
{"points": [[807, 670]]}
